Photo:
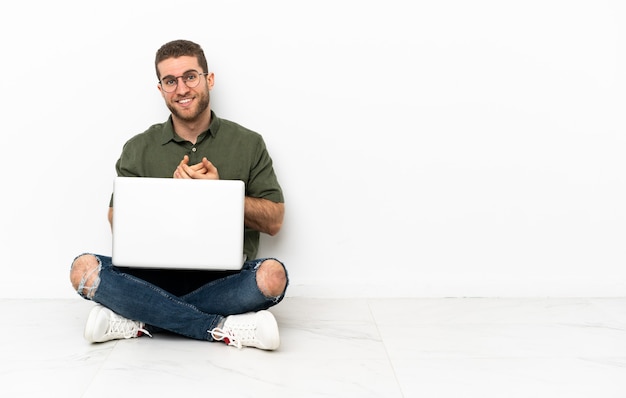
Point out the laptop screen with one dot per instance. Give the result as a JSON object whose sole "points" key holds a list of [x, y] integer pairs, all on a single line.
{"points": [[178, 223]]}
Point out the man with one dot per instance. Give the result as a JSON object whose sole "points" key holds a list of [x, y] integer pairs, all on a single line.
{"points": [[229, 306]]}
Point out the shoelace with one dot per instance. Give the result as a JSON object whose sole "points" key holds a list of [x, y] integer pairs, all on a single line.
{"points": [[125, 327], [244, 334]]}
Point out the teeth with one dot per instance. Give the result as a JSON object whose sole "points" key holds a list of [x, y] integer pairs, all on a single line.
{"points": [[184, 101]]}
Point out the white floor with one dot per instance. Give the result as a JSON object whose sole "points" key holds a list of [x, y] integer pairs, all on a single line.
{"points": [[334, 348]]}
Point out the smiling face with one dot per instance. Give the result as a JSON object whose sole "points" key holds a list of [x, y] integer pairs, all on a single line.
{"points": [[188, 104]]}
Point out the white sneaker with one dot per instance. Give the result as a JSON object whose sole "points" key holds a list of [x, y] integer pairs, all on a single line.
{"points": [[253, 329], [104, 325]]}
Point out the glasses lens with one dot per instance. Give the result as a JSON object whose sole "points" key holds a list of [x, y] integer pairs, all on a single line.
{"points": [[169, 84], [191, 79]]}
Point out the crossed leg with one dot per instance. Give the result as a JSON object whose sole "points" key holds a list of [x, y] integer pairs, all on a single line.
{"points": [[271, 276]]}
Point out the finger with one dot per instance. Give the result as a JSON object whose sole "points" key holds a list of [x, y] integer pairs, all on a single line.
{"points": [[182, 171], [189, 172], [209, 166], [212, 169], [198, 167], [179, 172]]}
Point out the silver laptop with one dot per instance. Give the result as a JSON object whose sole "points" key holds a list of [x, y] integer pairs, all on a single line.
{"points": [[178, 223]]}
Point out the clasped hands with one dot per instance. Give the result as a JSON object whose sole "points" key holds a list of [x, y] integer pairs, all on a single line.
{"points": [[203, 170]]}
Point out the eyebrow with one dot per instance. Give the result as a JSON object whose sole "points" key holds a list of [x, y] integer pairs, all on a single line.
{"points": [[184, 73]]}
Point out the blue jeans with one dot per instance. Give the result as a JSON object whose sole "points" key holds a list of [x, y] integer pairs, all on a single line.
{"points": [[193, 314]]}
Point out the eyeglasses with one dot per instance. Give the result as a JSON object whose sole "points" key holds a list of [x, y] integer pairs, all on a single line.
{"points": [[191, 80]]}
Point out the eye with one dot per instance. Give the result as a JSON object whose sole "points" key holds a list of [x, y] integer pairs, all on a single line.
{"points": [[169, 81], [190, 77]]}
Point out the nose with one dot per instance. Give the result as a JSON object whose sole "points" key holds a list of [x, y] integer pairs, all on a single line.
{"points": [[181, 87]]}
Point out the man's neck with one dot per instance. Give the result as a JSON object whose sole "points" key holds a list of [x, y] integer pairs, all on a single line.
{"points": [[190, 130]]}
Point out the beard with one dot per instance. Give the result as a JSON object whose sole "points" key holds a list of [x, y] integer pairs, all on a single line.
{"points": [[204, 98]]}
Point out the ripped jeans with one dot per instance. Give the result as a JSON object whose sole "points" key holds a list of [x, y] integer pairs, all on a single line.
{"points": [[192, 315]]}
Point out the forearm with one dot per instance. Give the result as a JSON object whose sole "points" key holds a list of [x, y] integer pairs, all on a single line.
{"points": [[263, 215], [111, 216]]}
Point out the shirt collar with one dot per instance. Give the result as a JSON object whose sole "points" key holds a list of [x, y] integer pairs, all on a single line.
{"points": [[168, 134]]}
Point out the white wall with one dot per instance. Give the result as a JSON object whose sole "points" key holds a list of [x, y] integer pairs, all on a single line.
{"points": [[426, 148]]}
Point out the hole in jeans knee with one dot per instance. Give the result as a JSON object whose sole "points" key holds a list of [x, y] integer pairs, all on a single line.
{"points": [[85, 275], [272, 278]]}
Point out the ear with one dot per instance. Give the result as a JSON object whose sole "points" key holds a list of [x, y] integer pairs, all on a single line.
{"points": [[210, 78]]}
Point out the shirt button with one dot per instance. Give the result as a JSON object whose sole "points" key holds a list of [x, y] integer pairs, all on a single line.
{"points": [[193, 149]]}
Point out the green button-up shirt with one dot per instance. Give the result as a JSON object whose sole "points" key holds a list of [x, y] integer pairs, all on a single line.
{"points": [[237, 152]]}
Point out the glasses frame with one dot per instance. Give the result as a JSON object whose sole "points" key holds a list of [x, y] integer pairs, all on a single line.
{"points": [[184, 81]]}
